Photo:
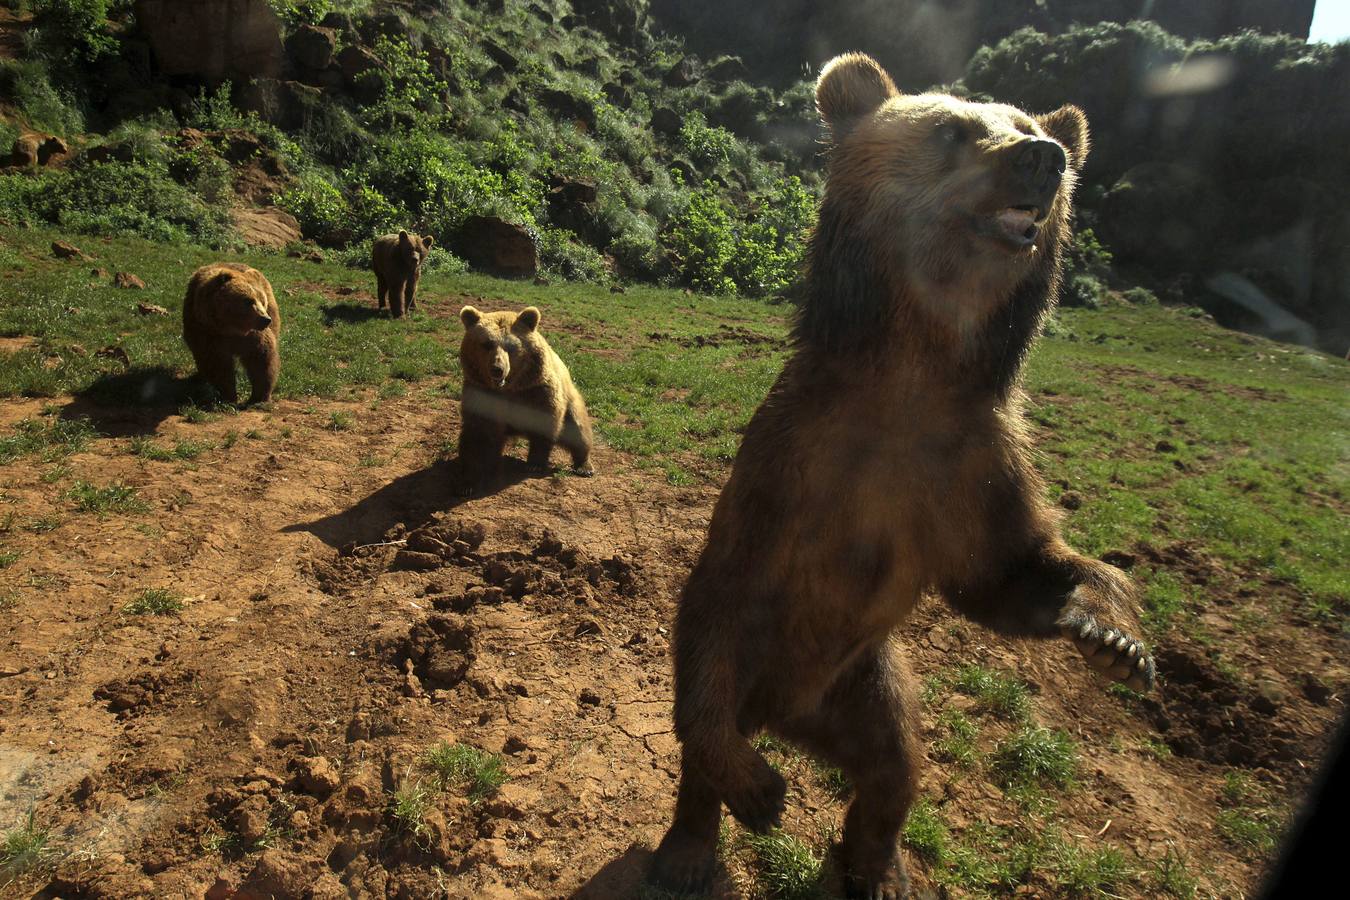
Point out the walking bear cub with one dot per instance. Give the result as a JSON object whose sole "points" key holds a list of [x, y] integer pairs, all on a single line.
{"points": [[514, 384], [889, 460], [230, 313], [397, 260]]}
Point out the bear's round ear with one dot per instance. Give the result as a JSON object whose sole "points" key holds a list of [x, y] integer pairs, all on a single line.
{"points": [[1069, 126], [470, 316], [428, 241], [851, 86], [528, 318], [403, 238]]}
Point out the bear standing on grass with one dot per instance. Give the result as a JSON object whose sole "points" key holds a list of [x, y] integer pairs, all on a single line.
{"points": [[397, 260], [230, 313], [514, 384], [889, 460]]}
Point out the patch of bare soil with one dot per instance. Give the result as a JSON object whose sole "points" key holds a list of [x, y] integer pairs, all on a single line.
{"points": [[341, 618]]}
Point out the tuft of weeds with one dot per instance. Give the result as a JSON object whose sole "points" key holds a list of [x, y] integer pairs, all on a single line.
{"points": [[925, 833], [52, 439], [785, 867], [1036, 757], [994, 692], [8, 600], [9, 558], [832, 779], [957, 745], [43, 524], [408, 806], [1171, 876], [182, 449], [115, 498], [154, 602], [23, 847], [1091, 873], [1247, 827], [462, 764], [340, 421]]}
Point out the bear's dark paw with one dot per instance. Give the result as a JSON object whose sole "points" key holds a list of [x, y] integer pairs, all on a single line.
{"points": [[583, 471], [463, 489], [536, 468], [1111, 651], [683, 864], [758, 803], [891, 886]]}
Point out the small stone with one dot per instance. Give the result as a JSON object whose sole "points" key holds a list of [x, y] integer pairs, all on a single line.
{"points": [[589, 697], [249, 818], [514, 744], [1071, 500], [1165, 447]]}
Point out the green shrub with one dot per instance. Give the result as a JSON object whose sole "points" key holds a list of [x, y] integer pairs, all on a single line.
{"points": [[47, 108], [80, 26], [561, 254], [1083, 291], [317, 205]]}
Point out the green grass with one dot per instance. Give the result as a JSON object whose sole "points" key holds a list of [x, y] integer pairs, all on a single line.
{"points": [[154, 602], [114, 498], [926, 833], [994, 692], [785, 867], [340, 421], [1036, 757], [1171, 876], [1083, 872], [9, 558], [480, 771], [50, 439], [146, 448], [23, 848], [409, 804], [957, 743]]}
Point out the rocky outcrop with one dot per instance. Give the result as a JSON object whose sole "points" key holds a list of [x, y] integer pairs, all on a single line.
{"points": [[213, 39], [266, 227], [497, 246]]}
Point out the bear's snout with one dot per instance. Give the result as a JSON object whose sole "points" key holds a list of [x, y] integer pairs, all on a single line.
{"points": [[264, 321], [1040, 165]]}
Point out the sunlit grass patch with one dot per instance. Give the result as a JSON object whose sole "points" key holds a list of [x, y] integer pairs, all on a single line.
{"points": [[154, 602], [479, 770], [113, 498]]}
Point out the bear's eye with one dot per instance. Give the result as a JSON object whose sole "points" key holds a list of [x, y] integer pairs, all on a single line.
{"points": [[488, 344], [951, 134]]}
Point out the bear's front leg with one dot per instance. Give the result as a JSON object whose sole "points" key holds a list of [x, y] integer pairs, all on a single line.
{"points": [[1051, 590], [537, 461], [481, 442], [263, 365]]}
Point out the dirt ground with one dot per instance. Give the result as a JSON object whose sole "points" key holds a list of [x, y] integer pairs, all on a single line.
{"points": [[247, 746]]}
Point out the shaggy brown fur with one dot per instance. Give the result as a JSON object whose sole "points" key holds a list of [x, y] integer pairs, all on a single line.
{"points": [[889, 460], [230, 313], [514, 384], [397, 260]]}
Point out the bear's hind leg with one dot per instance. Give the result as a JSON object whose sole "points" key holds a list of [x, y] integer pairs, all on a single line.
{"points": [[867, 725], [382, 287], [576, 437], [687, 857]]}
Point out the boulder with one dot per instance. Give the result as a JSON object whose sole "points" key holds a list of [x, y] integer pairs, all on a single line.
{"points": [[498, 246], [683, 73], [501, 56], [284, 104], [312, 47], [266, 227], [666, 121], [213, 39], [568, 106]]}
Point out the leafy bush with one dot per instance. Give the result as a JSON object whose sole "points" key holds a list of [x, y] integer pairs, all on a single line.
{"points": [[45, 106], [77, 25], [317, 205], [560, 253]]}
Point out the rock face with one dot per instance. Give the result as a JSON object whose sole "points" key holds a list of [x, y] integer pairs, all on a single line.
{"points": [[497, 246], [266, 227], [312, 46], [213, 39]]}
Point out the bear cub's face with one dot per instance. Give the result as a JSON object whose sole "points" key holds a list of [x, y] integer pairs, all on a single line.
{"points": [[238, 307], [938, 173], [496, 344], [413, 250]]}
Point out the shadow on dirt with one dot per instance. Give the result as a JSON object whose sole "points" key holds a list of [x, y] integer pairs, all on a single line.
{"points": [[411, 500], [135, 402], [349, 314]]}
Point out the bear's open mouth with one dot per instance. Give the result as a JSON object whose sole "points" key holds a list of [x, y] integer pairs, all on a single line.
{"points": [[1017, 224]]}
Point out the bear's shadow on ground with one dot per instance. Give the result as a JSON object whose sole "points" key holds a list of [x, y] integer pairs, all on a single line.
{"points": [[349, 313], [135, 402], [626, 876], [411, 500]]}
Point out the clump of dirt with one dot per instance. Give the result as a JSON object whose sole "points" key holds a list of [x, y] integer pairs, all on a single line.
{"points": [[134, 695], [726, 334]]}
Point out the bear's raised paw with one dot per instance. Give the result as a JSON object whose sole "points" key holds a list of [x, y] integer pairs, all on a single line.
{"points": [[1113, 652]]}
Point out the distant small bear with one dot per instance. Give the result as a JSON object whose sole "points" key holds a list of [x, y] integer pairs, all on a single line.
{"points": [[397, 260], [230, 312], [514, 384]]}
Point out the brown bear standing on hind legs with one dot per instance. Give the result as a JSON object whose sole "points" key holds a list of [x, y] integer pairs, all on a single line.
{"points": [[514, 384], [397, 260], [889, 460], [230, 312]]}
